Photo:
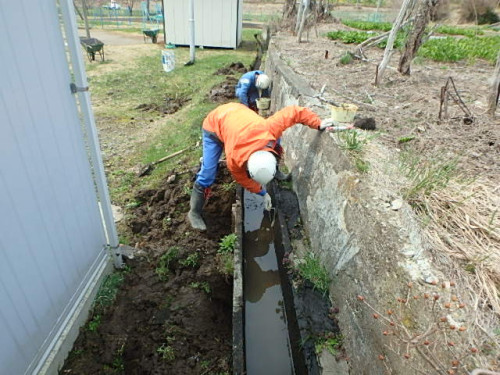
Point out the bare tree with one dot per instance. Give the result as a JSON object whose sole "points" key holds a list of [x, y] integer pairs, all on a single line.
{"points": [[303, 12], [403, 13], [318, 8], [289, 9], [415, 38], [495, 89]]}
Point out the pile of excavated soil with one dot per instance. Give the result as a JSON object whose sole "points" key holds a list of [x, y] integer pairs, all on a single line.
{"points": [[170, 317]]}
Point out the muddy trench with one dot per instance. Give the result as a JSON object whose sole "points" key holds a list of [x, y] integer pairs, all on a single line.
{"points": [[285, 317], [173, 312]]}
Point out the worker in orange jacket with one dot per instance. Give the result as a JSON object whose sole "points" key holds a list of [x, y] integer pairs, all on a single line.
{"points": [[249, 142]]}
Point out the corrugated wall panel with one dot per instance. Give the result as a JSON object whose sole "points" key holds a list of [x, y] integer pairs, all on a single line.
{"points": [[216, 22], [52, 233]]}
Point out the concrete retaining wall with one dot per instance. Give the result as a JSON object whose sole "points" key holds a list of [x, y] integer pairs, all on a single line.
{"points": [[369, 248]]}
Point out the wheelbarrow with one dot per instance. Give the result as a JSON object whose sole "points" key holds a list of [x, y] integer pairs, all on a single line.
{"points": [[92, 46], [152, 33]]}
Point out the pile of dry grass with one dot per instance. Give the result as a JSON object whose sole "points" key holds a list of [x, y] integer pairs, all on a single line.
{"points": [[464, 223]]}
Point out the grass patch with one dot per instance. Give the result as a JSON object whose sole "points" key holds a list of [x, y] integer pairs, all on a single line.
{"points": [[227, 243], [350, 140], [166, 352], [454, 30], [366, 25], [310, 268], [225, 254], [105, 297], [192, 260], [201, 285], [346, 58], [357, 37], [329, 342], [426, 175], [119, 93], [452, 50], [163, 267]]}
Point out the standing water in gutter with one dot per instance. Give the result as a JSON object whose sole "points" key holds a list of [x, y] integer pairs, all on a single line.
{"points": [[266, 333]]}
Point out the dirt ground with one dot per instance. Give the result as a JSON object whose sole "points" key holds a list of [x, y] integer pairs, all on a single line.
{"points": [[171, 316], [405, 105]]}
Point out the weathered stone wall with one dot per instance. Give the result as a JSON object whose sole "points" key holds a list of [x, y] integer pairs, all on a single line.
{"points": [[369, 248]]}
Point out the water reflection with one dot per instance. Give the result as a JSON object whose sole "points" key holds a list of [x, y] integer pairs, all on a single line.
{"points": [[266, 335]]}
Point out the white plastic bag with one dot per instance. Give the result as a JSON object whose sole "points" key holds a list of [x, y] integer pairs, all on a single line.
{"points": [[168, 60]]}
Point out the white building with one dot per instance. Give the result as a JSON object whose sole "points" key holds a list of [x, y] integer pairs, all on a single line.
{"points": [[218, 23]]}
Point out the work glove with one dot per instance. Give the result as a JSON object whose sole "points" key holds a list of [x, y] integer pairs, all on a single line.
{"points": [[268, 204], [326, 123]]}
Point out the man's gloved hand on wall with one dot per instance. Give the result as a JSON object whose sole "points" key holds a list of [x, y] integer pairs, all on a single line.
{"points": [[326, 123], [268, 204]]}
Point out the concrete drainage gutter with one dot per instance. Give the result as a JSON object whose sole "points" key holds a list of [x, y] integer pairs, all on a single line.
{"points": [[238, 301]]}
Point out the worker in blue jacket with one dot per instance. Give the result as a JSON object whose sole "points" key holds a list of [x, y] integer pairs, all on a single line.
{"points": [[251, 86]]}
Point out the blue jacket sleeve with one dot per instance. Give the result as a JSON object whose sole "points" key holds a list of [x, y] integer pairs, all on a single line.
{"points": [[243, 91]]}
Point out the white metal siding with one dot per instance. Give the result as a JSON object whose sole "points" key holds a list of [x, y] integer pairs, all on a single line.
{"points": [[217, 22], [52, 234]]}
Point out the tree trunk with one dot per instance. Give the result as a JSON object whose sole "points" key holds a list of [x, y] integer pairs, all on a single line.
{"points": [[86, 18], [390, 42], [495, 89], [78, 11], [414, 40], [305, 5], [289, 9], [300, 13]]}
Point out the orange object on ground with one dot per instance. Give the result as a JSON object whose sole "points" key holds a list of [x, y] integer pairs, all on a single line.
{"points": [[243, 132]]}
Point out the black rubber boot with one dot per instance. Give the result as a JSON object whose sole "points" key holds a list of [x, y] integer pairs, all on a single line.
{"points": [[197, 201]]}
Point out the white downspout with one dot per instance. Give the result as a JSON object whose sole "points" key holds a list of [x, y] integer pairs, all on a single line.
{"points": [[191, 32], [81, 83]]}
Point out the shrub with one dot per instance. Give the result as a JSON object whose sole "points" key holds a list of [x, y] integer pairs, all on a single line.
{"points": [[480, 10]]}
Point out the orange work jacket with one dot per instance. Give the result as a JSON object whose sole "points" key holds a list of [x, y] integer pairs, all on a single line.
{"points": [[243, 132]]}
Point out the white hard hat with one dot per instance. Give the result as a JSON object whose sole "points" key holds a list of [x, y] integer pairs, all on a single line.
{"points": [[262, 166], [263, 81]]}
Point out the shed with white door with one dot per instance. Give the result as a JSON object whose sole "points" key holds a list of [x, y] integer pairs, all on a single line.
{"points": [[218, 23]]}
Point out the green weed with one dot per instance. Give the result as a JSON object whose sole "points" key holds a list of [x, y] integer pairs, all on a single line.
{"points": [[455, 30], [94, 324], [426, 175], [310, 268], [166, 352], [108, 290], [227, 243], [451, 49], [192, 260], [163, 270], [365, 25], [231, 186], [226, 264], [406, 139], [351, 140], [329, 342], [346, 59], [361, 165], [202, 285]]}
